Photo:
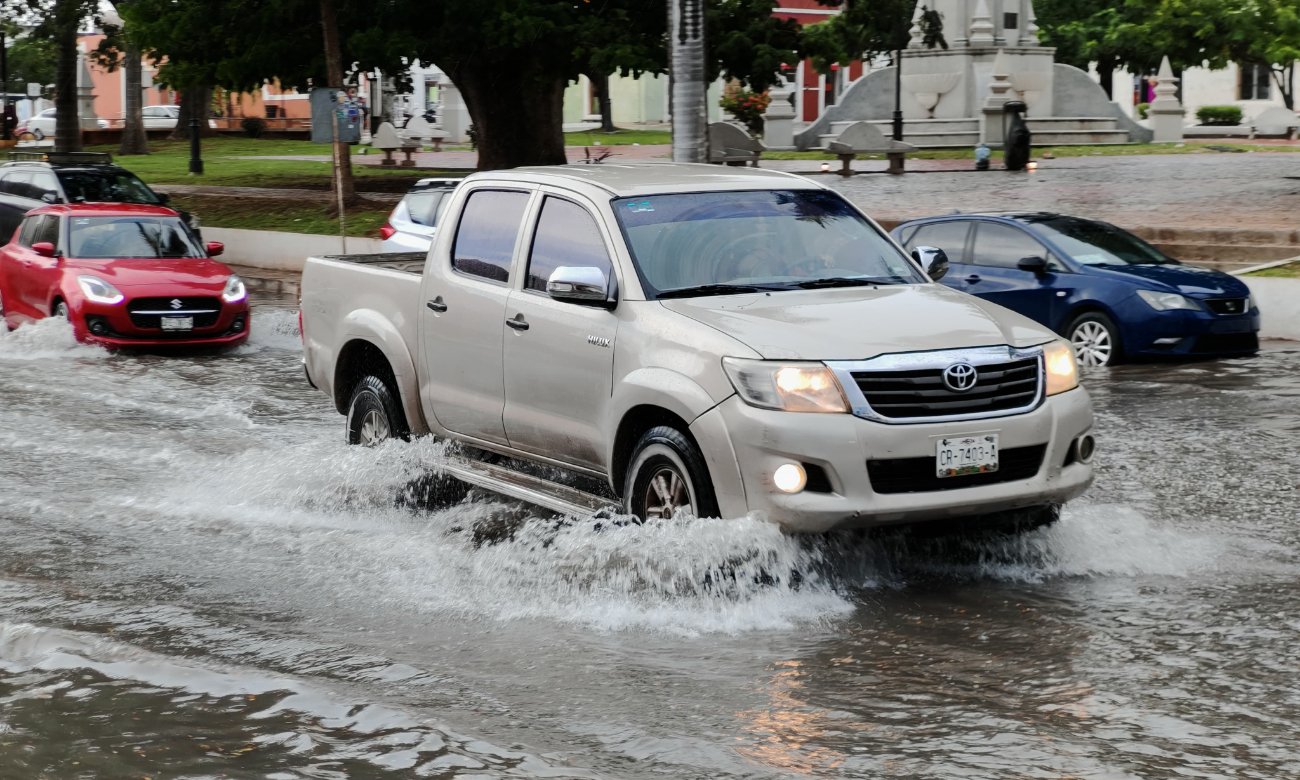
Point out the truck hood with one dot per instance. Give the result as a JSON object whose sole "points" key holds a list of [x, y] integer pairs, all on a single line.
{"points": [[857, 323]]}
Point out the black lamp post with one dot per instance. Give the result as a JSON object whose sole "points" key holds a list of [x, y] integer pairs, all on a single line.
{"points": [[898, 95], [196, 155]]}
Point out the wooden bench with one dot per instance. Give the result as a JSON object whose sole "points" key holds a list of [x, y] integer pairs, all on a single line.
{"points": [[731, 144], [866, 138]]}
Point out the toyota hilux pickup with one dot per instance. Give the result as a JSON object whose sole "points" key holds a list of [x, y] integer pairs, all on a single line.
{"points": [[659, 339]]}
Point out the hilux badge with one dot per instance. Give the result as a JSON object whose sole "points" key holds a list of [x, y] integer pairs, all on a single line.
{"points": [[960, 377]]}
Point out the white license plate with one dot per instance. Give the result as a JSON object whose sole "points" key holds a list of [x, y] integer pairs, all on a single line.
{"points": [[177, 323], [961, 455]]}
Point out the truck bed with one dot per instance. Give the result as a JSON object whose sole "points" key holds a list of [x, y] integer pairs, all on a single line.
{"points": [[405, 262]]}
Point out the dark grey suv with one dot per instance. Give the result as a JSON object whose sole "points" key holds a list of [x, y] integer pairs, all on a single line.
{"points": [[33, 179]]}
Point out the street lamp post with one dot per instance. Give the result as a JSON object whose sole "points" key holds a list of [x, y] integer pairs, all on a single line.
{"points": [[5, 130], [898, 95], [196, 155]]}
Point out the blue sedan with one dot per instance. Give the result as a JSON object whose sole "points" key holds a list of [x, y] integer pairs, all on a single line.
{"points": [[1110, 293]]}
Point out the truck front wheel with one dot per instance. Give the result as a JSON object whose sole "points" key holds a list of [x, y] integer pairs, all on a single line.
{"points": [[666, 476], [374, 415]]}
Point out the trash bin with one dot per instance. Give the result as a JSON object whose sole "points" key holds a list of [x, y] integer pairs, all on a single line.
{"points": [[1016, 147]]}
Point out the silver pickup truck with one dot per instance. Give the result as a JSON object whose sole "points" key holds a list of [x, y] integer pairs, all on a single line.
{"points": [[694, 339]]}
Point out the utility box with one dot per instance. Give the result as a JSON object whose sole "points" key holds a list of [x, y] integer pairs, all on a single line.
{"points": [[336, 110]]}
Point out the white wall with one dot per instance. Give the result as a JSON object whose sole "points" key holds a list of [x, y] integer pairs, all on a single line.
{"points": [[1203, 87]]}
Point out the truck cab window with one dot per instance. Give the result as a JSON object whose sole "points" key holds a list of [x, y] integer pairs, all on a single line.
{"points": [[566, 235], [485, 238]]}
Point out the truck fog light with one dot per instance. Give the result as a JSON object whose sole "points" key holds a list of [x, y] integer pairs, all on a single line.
{"points": [[790, 478], [1087, 446]]}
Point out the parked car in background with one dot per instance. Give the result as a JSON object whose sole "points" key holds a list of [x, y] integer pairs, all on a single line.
{"points": [[164, 117], [1110, 293], [411, 226], [124, 275], [41, 126], [34, 179]]}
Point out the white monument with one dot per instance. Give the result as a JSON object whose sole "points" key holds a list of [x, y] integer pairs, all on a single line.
{"points": [[1166, 112]]}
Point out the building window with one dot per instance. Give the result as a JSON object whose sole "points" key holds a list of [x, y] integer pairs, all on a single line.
{"points": [[1253, 82]]}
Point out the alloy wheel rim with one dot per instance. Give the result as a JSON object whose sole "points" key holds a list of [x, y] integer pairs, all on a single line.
{"points": [[666, 494], [1092, 344], [374, 428]]}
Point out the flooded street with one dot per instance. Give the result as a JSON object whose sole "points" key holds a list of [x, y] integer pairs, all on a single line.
{"points": [[199, 579]]}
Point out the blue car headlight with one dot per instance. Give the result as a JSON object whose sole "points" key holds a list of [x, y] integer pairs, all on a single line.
{"points": [[1167, 301]]}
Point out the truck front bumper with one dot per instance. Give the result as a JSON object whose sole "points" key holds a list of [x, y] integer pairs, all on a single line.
{"points": [[744, 445]]}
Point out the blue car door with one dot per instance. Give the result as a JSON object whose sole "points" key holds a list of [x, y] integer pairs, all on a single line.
{"points": [[992, 272]]}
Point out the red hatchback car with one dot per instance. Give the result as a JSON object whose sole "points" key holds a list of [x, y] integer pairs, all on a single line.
{"points": [[124, 274]]}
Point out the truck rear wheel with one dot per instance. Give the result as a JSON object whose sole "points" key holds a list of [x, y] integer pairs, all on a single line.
{"points": [[374, 415], [666, 476]]}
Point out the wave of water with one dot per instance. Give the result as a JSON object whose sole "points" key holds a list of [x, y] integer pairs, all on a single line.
{"points": [[50, 338]]}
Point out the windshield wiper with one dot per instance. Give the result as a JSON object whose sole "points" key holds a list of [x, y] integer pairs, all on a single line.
{"points": [[841, 281], [717, 289]]}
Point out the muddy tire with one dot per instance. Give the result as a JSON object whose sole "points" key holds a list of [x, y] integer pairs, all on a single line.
{"points": [[374, 414], [1095, 340], [667, 475]]}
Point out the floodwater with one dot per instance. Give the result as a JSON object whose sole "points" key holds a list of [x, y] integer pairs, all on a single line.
{"points": [[198, 579]]}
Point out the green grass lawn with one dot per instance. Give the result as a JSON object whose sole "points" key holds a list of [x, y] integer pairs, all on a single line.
{"points": [[290, 216], [1289, 271], [618, 138]]}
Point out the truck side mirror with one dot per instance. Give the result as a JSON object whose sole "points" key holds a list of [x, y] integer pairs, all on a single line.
{"points": [[583, 285], [1034, 265], [933, 259]]}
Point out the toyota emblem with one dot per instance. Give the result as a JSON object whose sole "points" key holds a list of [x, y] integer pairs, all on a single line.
{"points": [[960, 377]]}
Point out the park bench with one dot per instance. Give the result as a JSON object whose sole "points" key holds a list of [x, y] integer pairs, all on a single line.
{"points": [[866, 138], [418, 130], [388, 141], [1276, 121], [731, 144]]}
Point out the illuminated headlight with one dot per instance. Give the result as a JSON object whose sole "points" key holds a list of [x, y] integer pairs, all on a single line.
{"points": [[790, 478], [234, 291], [1062, 369], [791, 387], [1165, 301], [98, 290]]}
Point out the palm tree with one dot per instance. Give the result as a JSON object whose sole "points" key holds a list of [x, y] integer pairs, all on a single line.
{"points": [[688, 100]]}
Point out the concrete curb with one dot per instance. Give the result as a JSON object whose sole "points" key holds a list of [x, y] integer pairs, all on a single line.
{"points": [[1279, 306]]}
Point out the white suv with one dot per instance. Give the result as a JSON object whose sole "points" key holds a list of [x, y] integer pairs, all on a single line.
{"points": [[411, 226]]}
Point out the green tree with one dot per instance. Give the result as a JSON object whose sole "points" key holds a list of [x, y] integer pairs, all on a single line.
{"points": [[30, 59], [859, 31]]}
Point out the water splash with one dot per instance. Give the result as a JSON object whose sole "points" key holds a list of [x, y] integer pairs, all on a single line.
{"points": [[46, 339]]}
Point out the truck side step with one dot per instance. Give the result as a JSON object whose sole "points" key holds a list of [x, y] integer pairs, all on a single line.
{"points": [[528, 488]]}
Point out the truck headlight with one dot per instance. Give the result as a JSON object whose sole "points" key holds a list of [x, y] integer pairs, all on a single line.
{"points": [[1061, 366], [1166, 301], [790, 387], [98, 290], [234, 291]]}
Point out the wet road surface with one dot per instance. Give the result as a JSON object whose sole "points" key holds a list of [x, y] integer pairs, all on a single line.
{"points": [[199, 579]]}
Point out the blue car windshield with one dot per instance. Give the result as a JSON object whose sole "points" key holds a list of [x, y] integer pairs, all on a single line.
{"points": [[718, 243], [1097, 243]]}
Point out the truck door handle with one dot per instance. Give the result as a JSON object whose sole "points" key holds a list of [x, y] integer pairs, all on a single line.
{"points": [[518, 322], [972, 279], [436, 304]]}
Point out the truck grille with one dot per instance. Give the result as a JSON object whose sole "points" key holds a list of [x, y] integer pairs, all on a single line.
{"points": [[1227, 305], [916, 475], [903, 394], [146, 312]]}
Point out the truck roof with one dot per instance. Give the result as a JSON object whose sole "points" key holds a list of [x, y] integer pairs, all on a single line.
{"points": [[644, 178]]}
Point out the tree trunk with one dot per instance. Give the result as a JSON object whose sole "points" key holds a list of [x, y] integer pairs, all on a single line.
{"points": [[1106, 75], [513, 132], [67, 124], [343, 186], [688, 101], [194, 105], [134, 140], [601, 85], [1284, 77]]}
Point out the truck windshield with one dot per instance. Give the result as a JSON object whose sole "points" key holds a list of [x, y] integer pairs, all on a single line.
{"points": [[131, 237], [718, 243]]}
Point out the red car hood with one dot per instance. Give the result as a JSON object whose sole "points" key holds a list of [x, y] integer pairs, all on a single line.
{"points": [[198, 274]]}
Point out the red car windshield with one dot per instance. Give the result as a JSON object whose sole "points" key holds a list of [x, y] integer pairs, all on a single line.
{"points": [[131, 237]]}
